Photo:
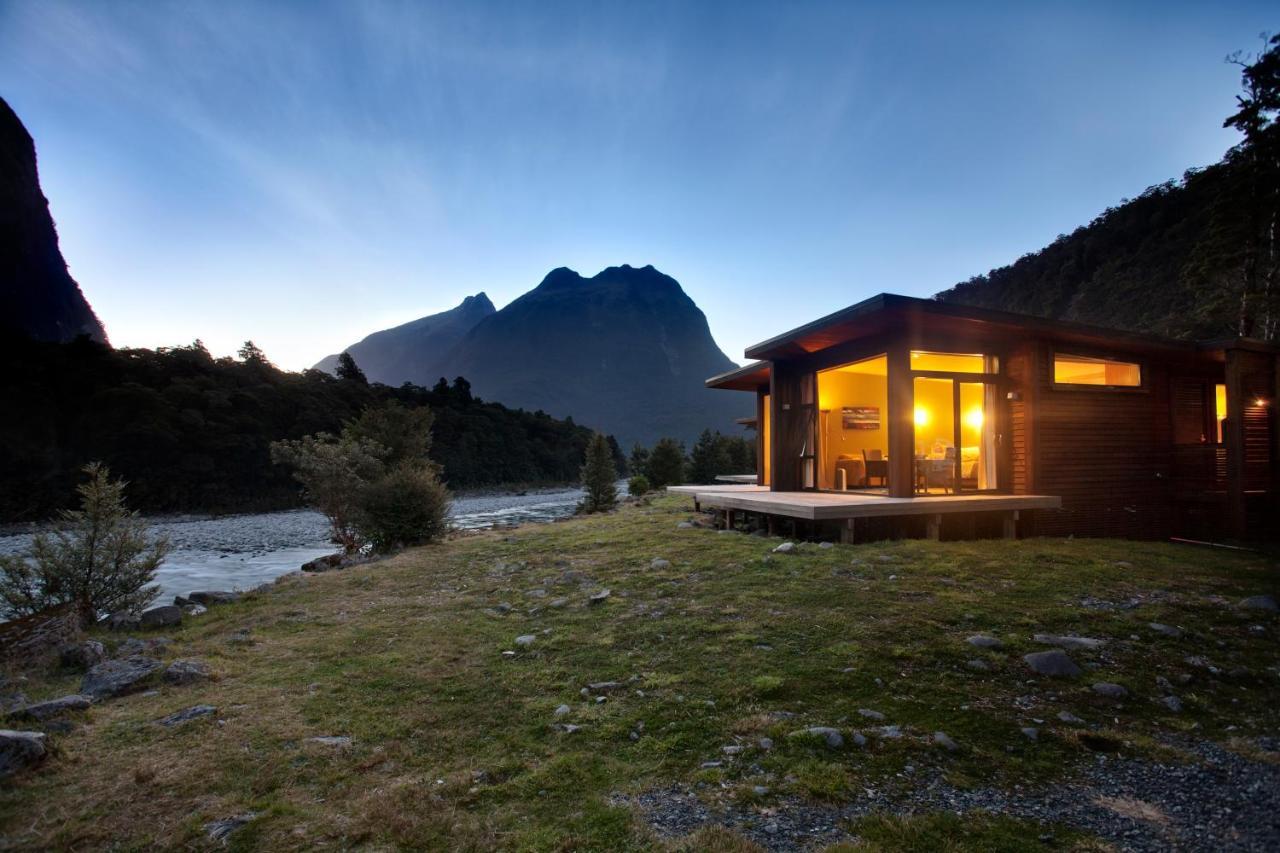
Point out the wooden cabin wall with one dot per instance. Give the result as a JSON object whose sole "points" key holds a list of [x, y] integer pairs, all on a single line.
{"points": [[1106, 453], [1021, 371], [789, 424]]}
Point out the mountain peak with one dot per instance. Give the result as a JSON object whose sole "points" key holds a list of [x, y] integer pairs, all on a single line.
{"points": [[480, 302]]}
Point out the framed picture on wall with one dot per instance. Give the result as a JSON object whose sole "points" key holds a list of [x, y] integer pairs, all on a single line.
{"points": [[860, 417]]}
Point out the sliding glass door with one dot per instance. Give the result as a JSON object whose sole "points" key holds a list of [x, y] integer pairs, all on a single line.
{"points": [[955, 435]]}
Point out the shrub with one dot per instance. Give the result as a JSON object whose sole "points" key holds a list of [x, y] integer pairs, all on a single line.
{"points": [[599, 476], [638, 485], [98, 557], [406, 506]]}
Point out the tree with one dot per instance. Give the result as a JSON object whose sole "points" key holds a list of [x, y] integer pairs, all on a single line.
{"points": [[98, 557], [666, 464], [599, 477], [333, 472], [637, 485], [404, 433], [348, 370], [638, 462], [709, 458], [251, 354], [1258, 108]]}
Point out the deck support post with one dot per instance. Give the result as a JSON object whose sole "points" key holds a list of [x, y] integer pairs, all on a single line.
{"points": [[1010, 523], [933, 527], [848, 532], [769, 524], [728, 519], [697, 507]]}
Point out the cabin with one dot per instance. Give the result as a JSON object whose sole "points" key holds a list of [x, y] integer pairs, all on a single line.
{"points": [[904, 416]]}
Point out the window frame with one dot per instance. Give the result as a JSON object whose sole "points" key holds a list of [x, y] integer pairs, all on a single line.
{"points": [[1144, 378]]}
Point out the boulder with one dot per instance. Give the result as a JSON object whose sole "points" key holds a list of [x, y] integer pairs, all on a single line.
{"points": [[1167, 630], [785, 548], [1260, 602], [19, 750], [984, 641], [1173, 703], [524, 641], [118, 677], [53, 707], [82, 655], [166, 616], [659, 563], [870, 714], [219, 830], [210, 598], [187, 671], [121, 620], [599, 597], [1054, 664], [1109, 690], [186, 715], [941, 739]]}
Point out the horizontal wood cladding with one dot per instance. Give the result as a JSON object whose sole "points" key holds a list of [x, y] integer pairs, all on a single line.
{"points": [[1108, 454]]}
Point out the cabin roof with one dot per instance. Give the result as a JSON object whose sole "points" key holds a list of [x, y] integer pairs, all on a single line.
{"points": [[745, 378], [894, 311]]}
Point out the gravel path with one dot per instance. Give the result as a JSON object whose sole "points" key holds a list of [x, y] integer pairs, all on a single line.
{"points": [[1222, 802]]}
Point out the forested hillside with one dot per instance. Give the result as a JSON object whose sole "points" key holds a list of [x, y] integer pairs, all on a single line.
{"points": [[1194, 258], [191, 432]]}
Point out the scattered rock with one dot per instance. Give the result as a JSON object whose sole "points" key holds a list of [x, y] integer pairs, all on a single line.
{"points": [[166, 616], [785, 548], [121, 620], [765, 743], [1070, 718], [889, 732], [211, 598], [328, 563], [831, 737], [659, 563], [19, 750], [339, 741], [1173, 703], [525, 640], [195, 712], [599, 597], [219, 830], [684, 525], [82, 655], [825, 545], [1055, 664], [569, 728], [118, 677], [562, 710], [759, 790], [1260, 602], [978, 665], [187, 671], [941, 739], [53, 707], [1069, 642], [1030, 732], [984, 641], [1167, 630], [134, 646], [1111, 691], [870, 714], [604, 686]]}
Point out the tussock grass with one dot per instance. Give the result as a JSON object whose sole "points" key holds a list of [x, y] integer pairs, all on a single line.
{"points": [[455, 745]]}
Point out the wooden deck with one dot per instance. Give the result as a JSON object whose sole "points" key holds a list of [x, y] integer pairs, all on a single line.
{"points": [[849, 506]]}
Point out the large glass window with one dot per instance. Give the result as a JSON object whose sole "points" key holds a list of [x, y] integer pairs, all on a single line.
{"points": [[1084, 370], [766, 435], [853, 438], [1220, 407]]}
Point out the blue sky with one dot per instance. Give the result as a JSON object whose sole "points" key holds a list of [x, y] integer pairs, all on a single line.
{"points": [[301, 174]]}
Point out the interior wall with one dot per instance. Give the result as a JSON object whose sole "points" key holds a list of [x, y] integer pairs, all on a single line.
{"points": [[837, 389]]}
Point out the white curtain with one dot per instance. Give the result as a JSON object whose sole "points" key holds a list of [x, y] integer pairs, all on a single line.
{"points": [[987, 450]]}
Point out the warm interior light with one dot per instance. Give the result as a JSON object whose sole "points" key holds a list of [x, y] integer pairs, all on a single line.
{"points": [[973, 418], [922, 416], [1260, 402]]}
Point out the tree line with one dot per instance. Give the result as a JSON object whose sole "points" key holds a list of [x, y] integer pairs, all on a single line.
{"points": [[1195, 258], [192, 433], [667, 464]]}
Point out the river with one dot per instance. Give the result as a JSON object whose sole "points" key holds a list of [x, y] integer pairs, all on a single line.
{"points": [[241, 551]]}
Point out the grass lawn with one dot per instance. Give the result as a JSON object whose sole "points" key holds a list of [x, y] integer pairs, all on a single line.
{"points": [[457, 745]]}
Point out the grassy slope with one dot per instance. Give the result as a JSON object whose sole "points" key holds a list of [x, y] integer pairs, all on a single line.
{"points": [[405, 658]]}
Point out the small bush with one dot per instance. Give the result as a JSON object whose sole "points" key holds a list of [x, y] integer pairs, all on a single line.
{"points": [[766, 685], [407, 506], [99, 558], [638, 485]]}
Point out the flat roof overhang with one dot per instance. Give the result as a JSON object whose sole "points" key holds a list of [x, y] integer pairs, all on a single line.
{"points": [[888, 312], [746, 378]]}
